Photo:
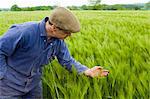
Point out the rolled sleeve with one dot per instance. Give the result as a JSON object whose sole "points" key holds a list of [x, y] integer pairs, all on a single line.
{"points": [[65, 59]]}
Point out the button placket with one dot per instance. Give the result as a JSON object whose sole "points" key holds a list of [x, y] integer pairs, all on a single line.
{"points": [[51, 55], [51, 44], [45, 43]]}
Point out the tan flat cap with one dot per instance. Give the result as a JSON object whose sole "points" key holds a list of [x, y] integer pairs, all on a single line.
{"points": [[65, 19]]}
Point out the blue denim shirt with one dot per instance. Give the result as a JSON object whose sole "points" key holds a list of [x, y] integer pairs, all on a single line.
{"points": [[24, 49]]}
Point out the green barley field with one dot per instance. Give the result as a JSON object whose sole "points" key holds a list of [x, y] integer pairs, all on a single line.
{"points": [[117, 40]]}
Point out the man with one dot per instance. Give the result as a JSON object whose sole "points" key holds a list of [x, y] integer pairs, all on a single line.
{"points": [[26, 47]]}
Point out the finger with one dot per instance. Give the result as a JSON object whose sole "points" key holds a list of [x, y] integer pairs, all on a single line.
{"points": [[104, 73], [98, 66], [104, 70]]}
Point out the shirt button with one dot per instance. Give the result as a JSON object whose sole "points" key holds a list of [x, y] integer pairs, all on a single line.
{"points": [[51, 44], [44, 40]]}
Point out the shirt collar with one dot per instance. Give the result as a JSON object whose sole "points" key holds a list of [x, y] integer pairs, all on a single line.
{"points": [[42, 27], [43, 32]]}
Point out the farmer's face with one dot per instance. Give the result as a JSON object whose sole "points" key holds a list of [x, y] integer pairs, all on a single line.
{"points": [[57, 32], [60, 33]]}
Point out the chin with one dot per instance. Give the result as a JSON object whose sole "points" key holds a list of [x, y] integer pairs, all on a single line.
{"points": [[61, 38]]}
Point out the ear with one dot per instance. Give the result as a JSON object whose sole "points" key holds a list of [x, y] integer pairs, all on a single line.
{"points": [[53, 28]]}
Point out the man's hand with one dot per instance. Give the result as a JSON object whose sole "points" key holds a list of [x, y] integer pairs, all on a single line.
{"points": [[96, 71]]}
